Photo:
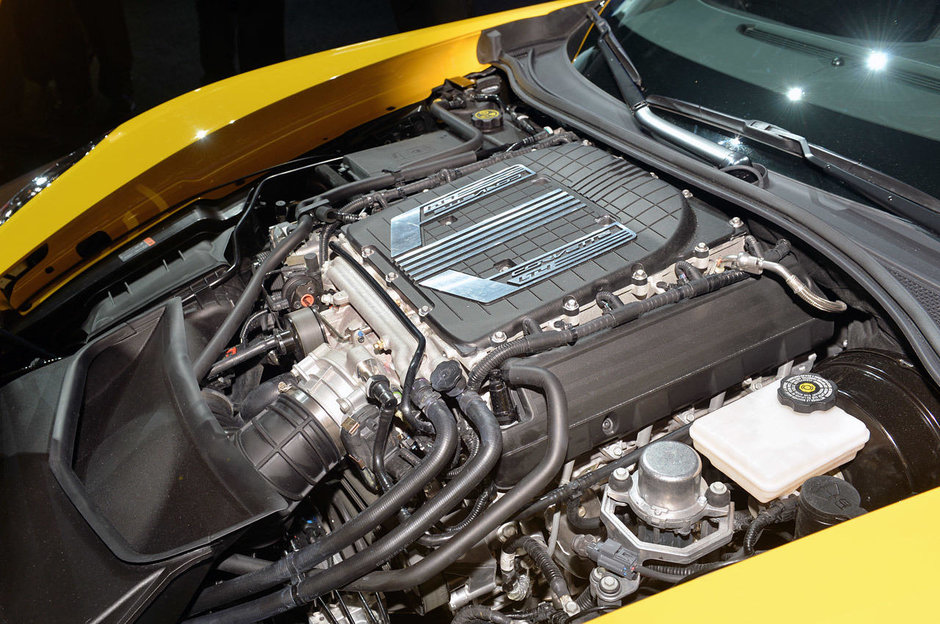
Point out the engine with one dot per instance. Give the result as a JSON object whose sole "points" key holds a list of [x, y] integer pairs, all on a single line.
{"points": [[486, 370]]}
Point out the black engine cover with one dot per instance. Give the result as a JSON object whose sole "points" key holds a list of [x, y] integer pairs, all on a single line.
{"points": [[515, 238]]}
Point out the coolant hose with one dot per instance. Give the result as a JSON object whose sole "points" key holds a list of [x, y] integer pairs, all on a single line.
{"points": [[576, 487], [386, 506], [472, 136], [246, 301], [396, 540], [504, 508]]}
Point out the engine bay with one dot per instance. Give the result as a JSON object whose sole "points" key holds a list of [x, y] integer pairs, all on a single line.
{"points": [[466, 365]]}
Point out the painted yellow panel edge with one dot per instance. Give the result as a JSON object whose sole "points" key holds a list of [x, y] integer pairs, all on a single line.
{"points": [[160, 159], [880, 567]]}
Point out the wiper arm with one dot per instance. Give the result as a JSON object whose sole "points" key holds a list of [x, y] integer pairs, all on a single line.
{"points": [[887, 193], [628, 83]]}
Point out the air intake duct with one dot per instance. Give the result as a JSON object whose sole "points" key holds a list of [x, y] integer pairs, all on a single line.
{"points": [[292, 443]]}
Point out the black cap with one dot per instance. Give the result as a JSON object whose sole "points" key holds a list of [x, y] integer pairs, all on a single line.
{"points": [[447, 377], [807, 393], [487, 119], [825, 501]]}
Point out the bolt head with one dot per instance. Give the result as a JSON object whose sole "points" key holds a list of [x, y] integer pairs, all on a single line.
{"points": [[687, 193], [718, 494], [499, 337], [391, 276], [570, 304], [367, 251], [701, 247], [640, 275], [424, 310], [598, 573], [609, 584], [621, 474], [571, 607], [736, 222]]}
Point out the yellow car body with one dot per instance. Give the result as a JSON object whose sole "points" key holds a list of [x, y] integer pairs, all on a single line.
{"points": [[219, 135]]}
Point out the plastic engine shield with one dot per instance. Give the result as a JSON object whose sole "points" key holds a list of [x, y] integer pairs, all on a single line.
{"points": [[515, 238]]}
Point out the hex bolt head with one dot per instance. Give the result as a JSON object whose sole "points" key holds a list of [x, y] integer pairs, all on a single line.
{"points": [[640, 277], [570, 304], [499, 337], [736, 223], [598, 573], [687, 193], [391, 276], [608, 426], [424, 310], [701, 250], [571, 607], [620, 480], [718, 494], [609, 584], [368, 251]]}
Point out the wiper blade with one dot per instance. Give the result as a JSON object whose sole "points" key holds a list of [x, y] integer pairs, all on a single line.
{"points": [[628, 83], [888, 193]]}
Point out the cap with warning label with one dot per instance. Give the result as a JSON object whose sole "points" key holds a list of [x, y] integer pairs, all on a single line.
{"points": [[487, 119], [807, 392]]}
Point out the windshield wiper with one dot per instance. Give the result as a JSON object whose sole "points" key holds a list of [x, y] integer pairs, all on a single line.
{"points": [[628, 83], [884, 191]]}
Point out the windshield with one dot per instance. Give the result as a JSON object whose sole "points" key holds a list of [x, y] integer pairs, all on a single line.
{"points": [[863, 81]]}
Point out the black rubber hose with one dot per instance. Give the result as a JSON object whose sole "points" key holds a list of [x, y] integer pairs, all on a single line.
{"points": [[261, 396], [405, 406], [382, 509], [530, 345], [578, 486], [538, 552], [246, 301], [580, 524], [243, 353], [386, 415], [396, 540], [241, 564], [683, 268], [780, 511], [479, 505], [504, 508], [472, 136], [586, 600]]}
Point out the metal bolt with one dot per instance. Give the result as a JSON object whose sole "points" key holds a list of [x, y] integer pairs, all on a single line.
{"points": [[283, 386], [582, 512], [609, 584], [607, 426], [391, 276], [571, 607], [570, 304], [621, 474], [718, 488], [687, 193], [498, 337], [736, 223], [424, 310], [367, 251], [640, 275], [701, 248], [598, 573]]}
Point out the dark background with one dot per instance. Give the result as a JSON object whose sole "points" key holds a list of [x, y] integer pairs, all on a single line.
{"points": [[37, 126]]}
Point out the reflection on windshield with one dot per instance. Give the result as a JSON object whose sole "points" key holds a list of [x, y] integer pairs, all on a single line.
{"points": [[864, 83]]}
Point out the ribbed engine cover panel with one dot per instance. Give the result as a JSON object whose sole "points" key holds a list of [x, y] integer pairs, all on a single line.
{"points": [[513, 239]]}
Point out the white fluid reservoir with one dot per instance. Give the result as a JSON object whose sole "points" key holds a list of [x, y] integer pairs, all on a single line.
{"points": [[769, 448]]}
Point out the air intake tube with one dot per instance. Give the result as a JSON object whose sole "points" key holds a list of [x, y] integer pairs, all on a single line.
{"points": [[293, 443]]}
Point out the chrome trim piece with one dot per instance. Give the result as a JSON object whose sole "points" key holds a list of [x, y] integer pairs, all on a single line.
{"points": [[406, 227]]}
